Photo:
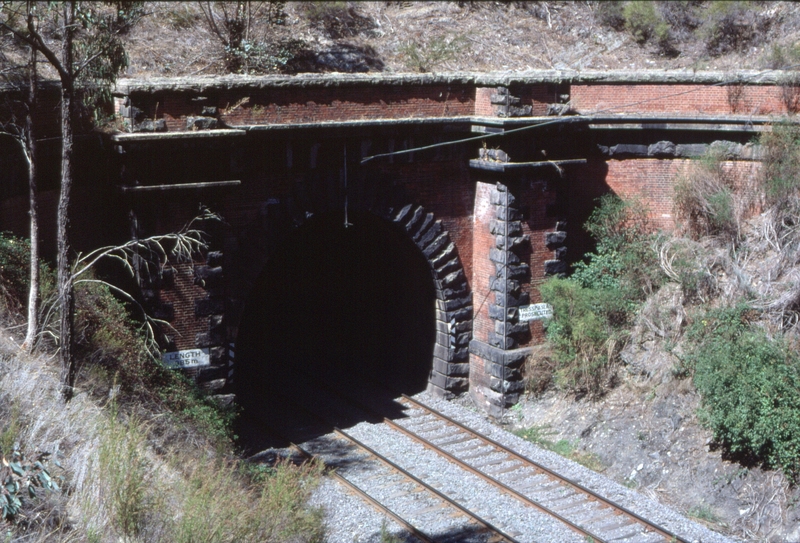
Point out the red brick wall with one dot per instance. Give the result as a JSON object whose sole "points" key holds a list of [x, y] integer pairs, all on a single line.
{"points": [[315, 105], [445, 190], [482, 268], [537, 196], [483, 105], [650, 180], [677, 99], [183, 295], [537, 96]]}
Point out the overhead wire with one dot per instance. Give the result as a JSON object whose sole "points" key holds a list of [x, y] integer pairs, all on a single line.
{"points": [[578, 118], [565, 120]]}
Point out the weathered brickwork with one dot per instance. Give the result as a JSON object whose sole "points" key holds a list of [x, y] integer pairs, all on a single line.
{"points": [[314, 105], [490, 233], [676, 99], [187, 299]]}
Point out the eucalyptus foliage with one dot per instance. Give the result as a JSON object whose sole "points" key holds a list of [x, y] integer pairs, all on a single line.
{"points": [[22, 479]]}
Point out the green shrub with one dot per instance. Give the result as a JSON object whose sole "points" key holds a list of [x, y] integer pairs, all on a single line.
{"points": [[684, 261], [731, 25], [429, 55], [580, 336], [781, 171], [750, 387], [22, 479], [643, 20], [129, 495], [625, 257], [219, 506], [704, 198], [790, 91], [14, 266], [610, 14], [783, 57], [594, 307], [183, 17], [110, 340]]}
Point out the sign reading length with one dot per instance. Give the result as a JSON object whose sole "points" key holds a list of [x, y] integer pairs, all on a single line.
{"points": [[191, 358], [535, 312]]}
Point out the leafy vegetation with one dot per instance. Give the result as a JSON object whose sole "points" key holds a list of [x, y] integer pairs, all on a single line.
{"points": [[220, 506], [111, 345], [162, 465], [704, 199], [540, 435], [23, 479], [741, 350], [14, 277], [429, 55], [732, 26], [126, 474], [723, 26], [782, 165], [750, 384], [645, 23], [245, 33], [593, 308]]}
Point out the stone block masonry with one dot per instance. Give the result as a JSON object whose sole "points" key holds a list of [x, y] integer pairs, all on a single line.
{"points": [[492, 219]]}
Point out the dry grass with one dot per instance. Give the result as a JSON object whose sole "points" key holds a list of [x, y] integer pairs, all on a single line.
{"points": [[499, 36], [118, 488]]}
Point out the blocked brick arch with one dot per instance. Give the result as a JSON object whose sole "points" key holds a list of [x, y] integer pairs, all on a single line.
{"points": [[278, 222]]}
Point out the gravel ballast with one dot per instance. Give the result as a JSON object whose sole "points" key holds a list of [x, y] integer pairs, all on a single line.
{"points": [[350, 519]]}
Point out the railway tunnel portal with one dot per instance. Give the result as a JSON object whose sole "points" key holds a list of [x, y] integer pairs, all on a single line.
{"points": [[447, 244], [345, 304]]}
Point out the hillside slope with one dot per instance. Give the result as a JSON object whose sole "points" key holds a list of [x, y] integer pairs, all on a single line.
{"points": [[174, 38]]}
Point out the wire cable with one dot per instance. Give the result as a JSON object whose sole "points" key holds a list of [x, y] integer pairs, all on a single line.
{"points": [[577, 118]]}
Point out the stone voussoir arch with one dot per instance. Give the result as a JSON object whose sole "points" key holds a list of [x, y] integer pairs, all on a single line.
{"points": [[454, 310]]}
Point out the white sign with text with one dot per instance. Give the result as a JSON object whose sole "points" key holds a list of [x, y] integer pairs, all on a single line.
{"points": [[535, 312], [191, 358]]}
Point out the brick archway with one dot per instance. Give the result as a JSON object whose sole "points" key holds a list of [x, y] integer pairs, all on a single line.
{"points": [[278, 218]]}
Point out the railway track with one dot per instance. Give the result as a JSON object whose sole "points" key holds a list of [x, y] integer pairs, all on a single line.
{"points": [[396, 492], [422, 500], [465, 454], [534, 484]]}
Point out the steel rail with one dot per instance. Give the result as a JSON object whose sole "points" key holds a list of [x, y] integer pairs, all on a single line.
{"points": [[547, 471], [491, 480], [354, 488], [449, 501], [361, 493], [592, 496], [486, 524]]}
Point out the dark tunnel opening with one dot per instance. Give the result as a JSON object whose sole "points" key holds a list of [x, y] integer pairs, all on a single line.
{"points": [[347, 310]]}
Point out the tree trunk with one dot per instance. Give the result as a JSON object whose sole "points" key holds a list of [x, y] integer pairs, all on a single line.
{"points": [[66, 293], [30, 142]]}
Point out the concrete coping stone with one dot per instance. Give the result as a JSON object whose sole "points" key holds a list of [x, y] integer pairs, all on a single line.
{"points": [[161, 136], [602, 118], [200, 84], [492, 79], [465, 119], [479, 164]]}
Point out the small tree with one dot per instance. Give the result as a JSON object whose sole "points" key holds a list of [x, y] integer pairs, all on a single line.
{"points": [[23, 133], [232, 23], [82, 42]]}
